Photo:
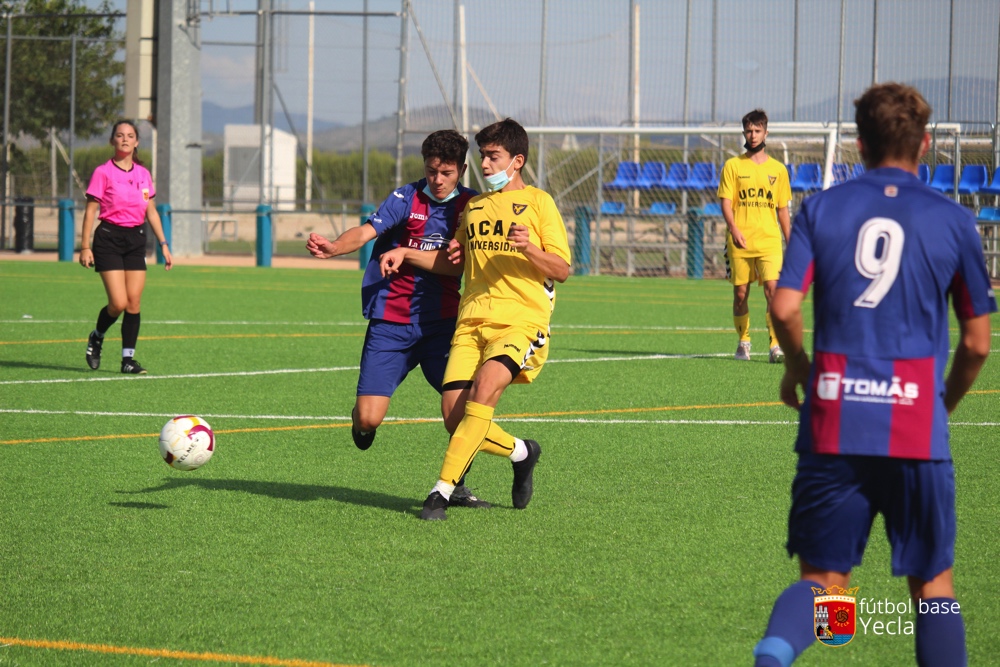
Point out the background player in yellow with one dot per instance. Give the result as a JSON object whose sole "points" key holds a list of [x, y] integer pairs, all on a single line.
{"points": [[512, 244], [755, 194]]}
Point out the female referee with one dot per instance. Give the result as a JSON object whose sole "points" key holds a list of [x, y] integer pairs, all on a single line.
{"points": [[121, 189]]}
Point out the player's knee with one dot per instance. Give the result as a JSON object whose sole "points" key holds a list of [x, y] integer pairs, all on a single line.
{"points": [[117, 306]]}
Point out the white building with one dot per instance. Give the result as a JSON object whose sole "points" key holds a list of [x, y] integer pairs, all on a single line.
{"points": [[241, 166]]}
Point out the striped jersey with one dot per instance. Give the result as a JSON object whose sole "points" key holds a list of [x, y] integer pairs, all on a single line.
{"points": [[123, 195], [410, 218], [884, 252]]}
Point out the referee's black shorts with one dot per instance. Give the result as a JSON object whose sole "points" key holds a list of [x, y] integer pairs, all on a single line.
{"points": [[118, 248]]}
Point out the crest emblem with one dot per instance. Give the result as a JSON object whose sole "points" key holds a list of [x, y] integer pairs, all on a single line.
{"points": [[772, 179], [834, 614], [145, 194], [519, 208]]}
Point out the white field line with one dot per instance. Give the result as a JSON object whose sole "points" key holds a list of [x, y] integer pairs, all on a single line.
{"points": [[118, 378], [345, 418], [555, 327], [285, 371]]}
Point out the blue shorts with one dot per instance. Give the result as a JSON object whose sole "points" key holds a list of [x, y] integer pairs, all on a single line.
{"points": [[392, 350], [835, 499]]}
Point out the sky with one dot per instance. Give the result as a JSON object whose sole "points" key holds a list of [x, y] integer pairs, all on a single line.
{"points": [[738, 59]]}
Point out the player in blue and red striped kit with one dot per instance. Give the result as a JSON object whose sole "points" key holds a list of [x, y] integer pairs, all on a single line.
{"points": [[884, 253], [411, 315]]}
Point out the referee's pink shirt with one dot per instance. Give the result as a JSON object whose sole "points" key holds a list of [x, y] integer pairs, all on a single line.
{"points": [[123, 195]]}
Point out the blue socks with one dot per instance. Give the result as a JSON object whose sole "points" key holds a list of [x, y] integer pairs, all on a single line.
{"points": [[940, 636], [790, 629]]}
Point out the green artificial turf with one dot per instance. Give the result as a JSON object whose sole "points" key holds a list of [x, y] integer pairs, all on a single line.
{"points": [[655, 537]]}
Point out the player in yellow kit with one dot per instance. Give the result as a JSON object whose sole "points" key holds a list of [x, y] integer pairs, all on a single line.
{"points": [[755, 194], [513, 245]]}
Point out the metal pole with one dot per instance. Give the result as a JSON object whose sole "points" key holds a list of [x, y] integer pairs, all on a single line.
{"points": [[687, 97], [264, 92], [309, 105], [996, 125], [401, 107], [875, 43], [951, 52], [364, 106], [72, 114], [4, 159], [795, 62], [456, 57], [840, 68], [541, 96], [715, 52], [634, 77]]}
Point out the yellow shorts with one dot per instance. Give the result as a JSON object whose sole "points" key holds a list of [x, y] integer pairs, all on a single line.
{"points": [[744, 270], [475, 342]]}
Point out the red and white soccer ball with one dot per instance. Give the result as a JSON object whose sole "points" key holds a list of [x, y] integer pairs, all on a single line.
{"points": [[187, 442]]}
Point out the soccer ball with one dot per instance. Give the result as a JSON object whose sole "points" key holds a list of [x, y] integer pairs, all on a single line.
{"points": [[187, 442]]}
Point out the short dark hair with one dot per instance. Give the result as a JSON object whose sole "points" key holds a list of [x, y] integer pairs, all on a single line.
{"points": [[446, 145], [892, 120], [506, 133], [755, 117]]}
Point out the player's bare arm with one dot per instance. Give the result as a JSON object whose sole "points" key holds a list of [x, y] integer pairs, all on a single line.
{"points": [[87, 233], [786, 315], [351, 240], [435, 261], [785, 222], [970, 355], [727, 213], [552, 265]]}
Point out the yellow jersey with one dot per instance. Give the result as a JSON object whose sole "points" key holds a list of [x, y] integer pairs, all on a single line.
{"points": [[757, 192], [500, 284]]}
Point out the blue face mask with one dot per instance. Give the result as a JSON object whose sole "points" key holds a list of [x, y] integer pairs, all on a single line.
{"points": [[499, 180], [427, 191]]}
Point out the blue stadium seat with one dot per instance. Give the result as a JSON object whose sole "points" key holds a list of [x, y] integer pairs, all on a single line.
{"points": [[712, 208], [613, 208], [994, 187], [924, 173], [973, 179], [791, 172], [858, 170], [652, 175], [989, 214], [628, 173], [944, 178], [841, 173], [662, 208], [702, 176], [808, 177], [676, 176]]}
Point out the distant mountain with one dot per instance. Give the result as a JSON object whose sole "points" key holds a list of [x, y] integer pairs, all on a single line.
{"points": [[214, 118]]}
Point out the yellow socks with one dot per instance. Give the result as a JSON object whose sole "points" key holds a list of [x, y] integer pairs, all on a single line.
{"points": [[467, 440], [770, 329], [742, 323]]}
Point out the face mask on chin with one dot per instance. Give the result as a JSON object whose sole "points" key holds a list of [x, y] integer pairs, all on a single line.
{"points": [[499, 180], [755, 149], [427, 191]]}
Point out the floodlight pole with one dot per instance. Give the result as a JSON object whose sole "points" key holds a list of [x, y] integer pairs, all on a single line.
{"points": [[364, 106], [4, 162], [72, 115], [401, 108], [542, 66]]}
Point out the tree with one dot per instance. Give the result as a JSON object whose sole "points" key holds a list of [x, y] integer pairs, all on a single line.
{"points": [[41, 69]]}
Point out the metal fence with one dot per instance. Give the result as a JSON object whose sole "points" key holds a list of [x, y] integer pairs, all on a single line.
{"points": [[374, 76]]}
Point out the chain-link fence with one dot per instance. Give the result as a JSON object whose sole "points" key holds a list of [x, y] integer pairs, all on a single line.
{"points": [[364, 82]]}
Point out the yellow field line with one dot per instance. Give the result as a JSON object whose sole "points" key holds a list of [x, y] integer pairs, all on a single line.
{"points": [[167, 653]]}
